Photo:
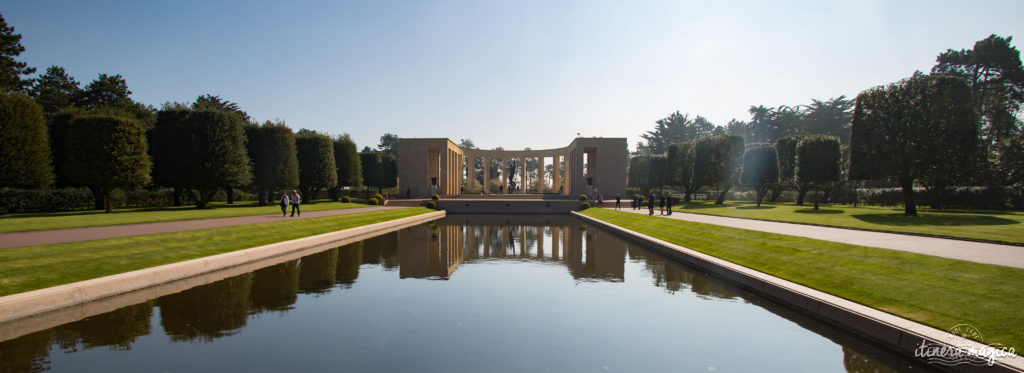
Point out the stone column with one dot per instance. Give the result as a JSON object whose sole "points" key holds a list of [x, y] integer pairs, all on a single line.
{"points": [[540, 242], [504, 240], [487, 241], [487, 174], [556, 237], [540, 175], [567, 182], [555, 177], [504, 175], [471, 246], [522, 175], [470, 171], [522, 240]]}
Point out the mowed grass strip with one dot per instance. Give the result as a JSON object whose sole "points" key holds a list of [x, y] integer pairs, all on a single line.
{"points": [[1002, 227], [931, 290], [36, 267], [23, 222]]}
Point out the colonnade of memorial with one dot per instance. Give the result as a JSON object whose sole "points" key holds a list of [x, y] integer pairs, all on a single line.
{"points": [[438, 165], [556, 182]]}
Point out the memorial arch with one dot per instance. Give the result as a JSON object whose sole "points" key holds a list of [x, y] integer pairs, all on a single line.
{"points": [[586, 166]]}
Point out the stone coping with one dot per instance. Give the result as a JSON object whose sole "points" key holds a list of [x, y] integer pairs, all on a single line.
{"points": [[891, 331], [86, 295]]}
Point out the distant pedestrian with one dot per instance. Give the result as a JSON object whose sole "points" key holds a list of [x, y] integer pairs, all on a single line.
{"points": [[618, 200], [408, 193], [284, 203], [650, 203], [462, 189], [661, 204], [295, 201], [668, 203]]}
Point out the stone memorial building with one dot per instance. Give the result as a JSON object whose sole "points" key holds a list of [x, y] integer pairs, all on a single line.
{"points": [[586, 166]]}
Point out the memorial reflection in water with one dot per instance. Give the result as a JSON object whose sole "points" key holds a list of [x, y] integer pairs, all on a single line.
{"points": [[347, 308]]}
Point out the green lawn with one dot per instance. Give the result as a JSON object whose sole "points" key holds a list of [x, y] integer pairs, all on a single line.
{"points": [[20, 222], [1003, 227], [36, 267], [931, 290]]}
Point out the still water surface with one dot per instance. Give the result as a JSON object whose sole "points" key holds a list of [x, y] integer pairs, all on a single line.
{"points": [[467, 293]]}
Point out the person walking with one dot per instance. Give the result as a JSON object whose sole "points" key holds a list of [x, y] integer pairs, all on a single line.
{"points": [[284, 203], [650, 203], [668, 203], [661, 204], [618, 201], [296, 200]]}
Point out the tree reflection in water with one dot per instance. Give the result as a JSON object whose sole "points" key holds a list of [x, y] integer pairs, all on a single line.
{"points": [[435, 251]]}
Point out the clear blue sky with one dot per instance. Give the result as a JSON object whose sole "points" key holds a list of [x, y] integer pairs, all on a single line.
{"points": [[503, 73]]}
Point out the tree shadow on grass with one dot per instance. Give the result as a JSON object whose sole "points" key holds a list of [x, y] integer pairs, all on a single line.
{"points": [[819, 211], [18, 215], [932, 220], [754, 207], [698, 206]]}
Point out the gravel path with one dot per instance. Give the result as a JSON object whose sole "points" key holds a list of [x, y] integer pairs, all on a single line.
{"points": [[18, 239], [980, 252]]}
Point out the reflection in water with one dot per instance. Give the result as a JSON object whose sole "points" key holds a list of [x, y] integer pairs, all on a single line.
{"points": [[117, 329], [318, 272], [436, 251], [673, 277], [350, 257], [277, 286], [212, 312], [207, 312], [28, 353]]}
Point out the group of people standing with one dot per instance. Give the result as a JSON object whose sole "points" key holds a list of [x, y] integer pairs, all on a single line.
{"points": [[664, 200], [294, 200]]}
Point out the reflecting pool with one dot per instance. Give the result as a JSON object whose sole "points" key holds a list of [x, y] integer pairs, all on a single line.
{"points": [[466, 293]]}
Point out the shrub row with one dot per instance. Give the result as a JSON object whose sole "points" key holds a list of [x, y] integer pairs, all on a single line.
{"points": [[71, 199]]}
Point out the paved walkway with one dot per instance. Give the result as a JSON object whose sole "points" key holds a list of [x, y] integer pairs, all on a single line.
{"points": [[980, 252], [17, 239]]}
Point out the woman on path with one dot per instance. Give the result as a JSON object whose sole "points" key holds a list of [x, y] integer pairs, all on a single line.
{"points": [[284, 203], [295, 200]]}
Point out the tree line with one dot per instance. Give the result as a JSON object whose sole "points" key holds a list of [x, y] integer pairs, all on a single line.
{"points": [[959, 125], [55, 133]]}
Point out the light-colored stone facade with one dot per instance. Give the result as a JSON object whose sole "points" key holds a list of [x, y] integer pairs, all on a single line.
{"points": [[587, 166]]}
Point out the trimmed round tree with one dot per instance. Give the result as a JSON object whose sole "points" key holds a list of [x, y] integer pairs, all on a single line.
{"points": [[717, 163], [108, 151], [818, 162], [200, 149], [389, 171], [58, 127], [167, 139], [638, 172], [317, 169], [760, 170], [657, 166], [346, 157], [919, 129], [785, 150], [680, 168], [372, 169], [24, 149], [275, 160]]}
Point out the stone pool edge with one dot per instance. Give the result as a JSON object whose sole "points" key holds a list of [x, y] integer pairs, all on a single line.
{"points": [[891, 331], [30, 303]]}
